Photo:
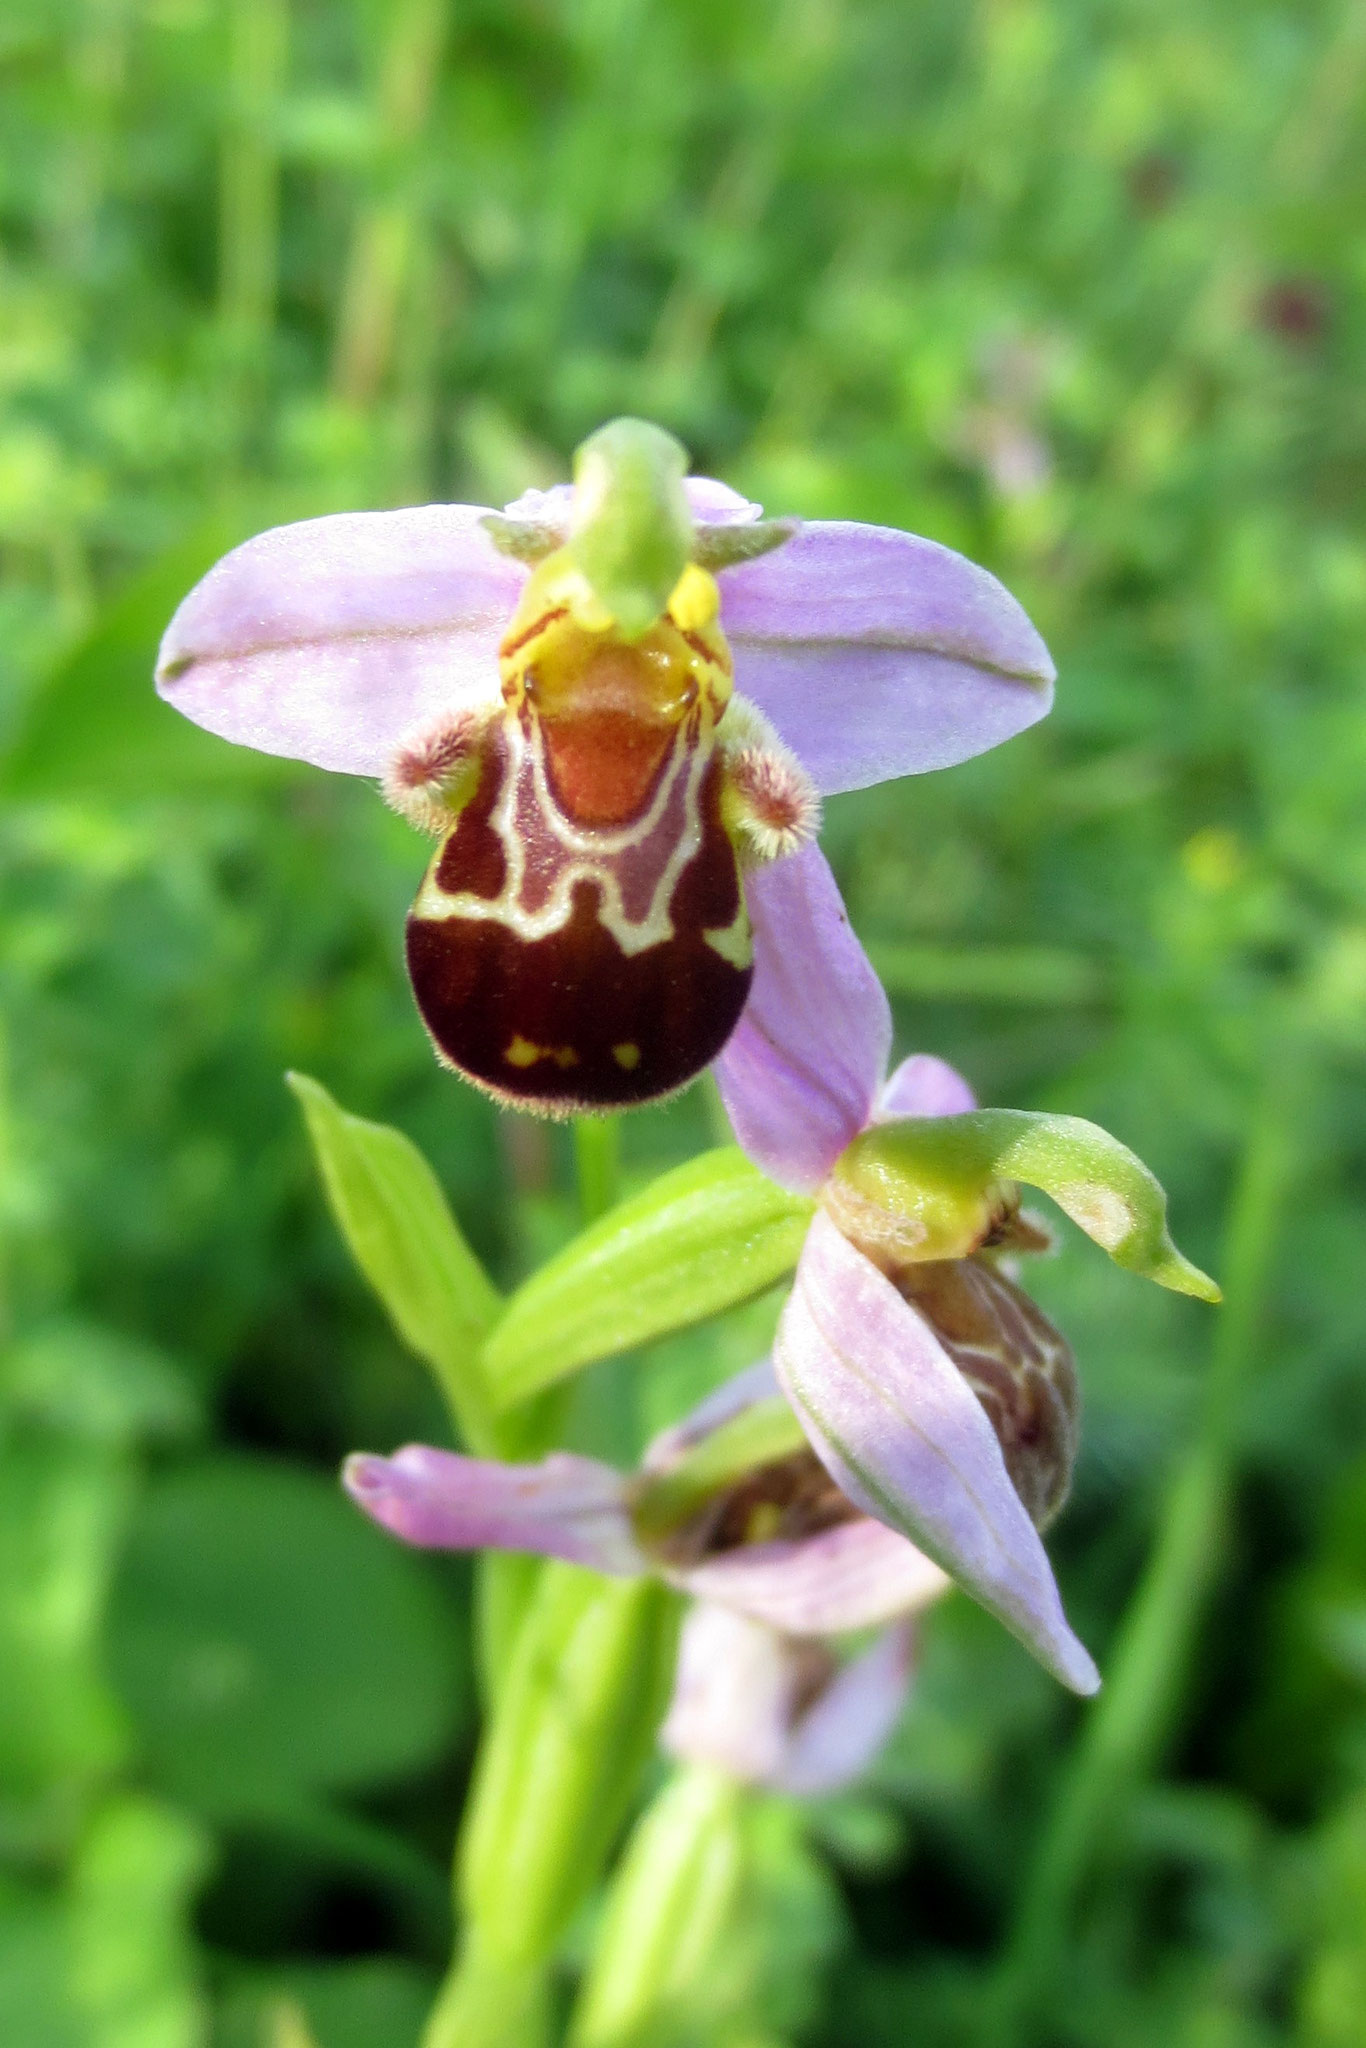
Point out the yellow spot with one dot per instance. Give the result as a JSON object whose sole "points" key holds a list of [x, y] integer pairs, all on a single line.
{"points": [[522, 1053], [764, 1522], [695, 600], [627, 1056], [1101, 1212], [733, 941]]}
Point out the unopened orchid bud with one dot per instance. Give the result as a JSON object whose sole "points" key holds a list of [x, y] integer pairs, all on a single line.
{"points": [[770, 1709], [1020, 1368], [901, 1200]]}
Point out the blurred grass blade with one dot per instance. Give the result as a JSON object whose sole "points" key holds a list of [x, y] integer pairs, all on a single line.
{"points": [[132, 1952], [702, 1238], [1021, 976], [288, 2027], [63, 1508], [97, 726], [396, 1221]]}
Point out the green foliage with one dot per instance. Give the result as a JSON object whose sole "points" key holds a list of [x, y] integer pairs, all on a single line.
{"points": [[111, 1964], [677, 1886], [375, 2003], [389, 1207], [62, 1505], [271, 1646]]}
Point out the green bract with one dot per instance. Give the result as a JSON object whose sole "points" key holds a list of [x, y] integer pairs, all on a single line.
{"points": [[631, 532], [678, 1886], [943, 1175], [571, 1730], [390, 1209], [707, 1235]]}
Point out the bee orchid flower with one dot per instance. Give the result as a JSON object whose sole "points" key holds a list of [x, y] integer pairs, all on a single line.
{"points": [[730, 1506], [615, 704], [783, 1712], [937, 1395]]}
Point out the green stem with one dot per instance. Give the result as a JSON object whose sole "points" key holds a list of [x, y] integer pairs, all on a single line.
{"points": [[486, 2003], [597, 1154], [672, 1896], [1123, 1737], [569, 1730]]}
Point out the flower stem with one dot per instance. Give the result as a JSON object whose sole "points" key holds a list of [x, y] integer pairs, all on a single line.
{"points": [[672, 1895], [485, 2003], [597, 1154], [1123, 1737], [569, 1730]]}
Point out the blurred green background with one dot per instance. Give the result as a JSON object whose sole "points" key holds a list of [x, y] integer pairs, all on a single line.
{"points": [[1078, 286]]}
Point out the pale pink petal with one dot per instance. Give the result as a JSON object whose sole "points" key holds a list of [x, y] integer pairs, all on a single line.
{"points": [[732, 1697], [715, 504], [325, 641], [857, 1575], [897, 1427], [740, 1703], [711, 504], [850, 1720], [878, 654], [801, 1070], [566, 1506], [925, 1086]]}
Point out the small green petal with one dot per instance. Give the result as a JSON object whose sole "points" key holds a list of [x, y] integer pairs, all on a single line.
{"points": [[721, 547]]}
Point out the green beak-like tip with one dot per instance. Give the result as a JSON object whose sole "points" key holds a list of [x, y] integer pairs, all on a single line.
{"points": [[631, 533]]}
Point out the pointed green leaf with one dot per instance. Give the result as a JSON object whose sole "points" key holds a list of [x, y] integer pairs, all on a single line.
{"points": [[390, 1209], [935, 1169], [707, 1235]]}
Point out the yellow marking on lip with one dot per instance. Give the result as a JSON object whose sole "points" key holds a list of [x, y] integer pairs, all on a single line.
{"points": [[627, 1056], [734, 942], [523, 1053]]}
